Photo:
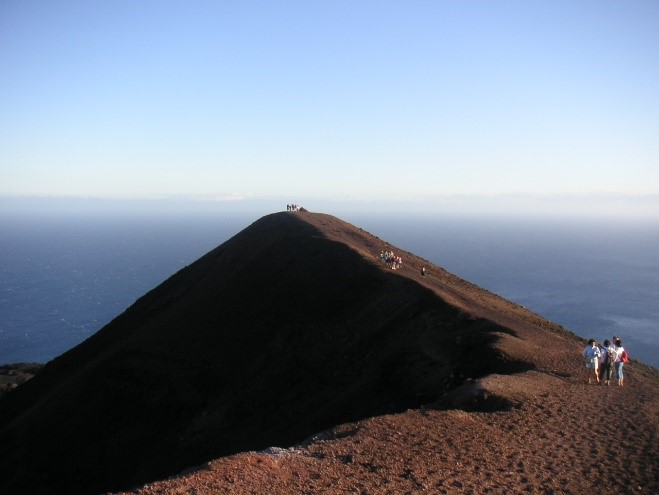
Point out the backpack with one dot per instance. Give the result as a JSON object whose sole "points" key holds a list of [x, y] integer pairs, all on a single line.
{"points": [[624, 357], [610, 356]]}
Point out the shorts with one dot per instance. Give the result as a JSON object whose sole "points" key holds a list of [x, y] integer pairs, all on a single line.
{"points": [[591, 363]]}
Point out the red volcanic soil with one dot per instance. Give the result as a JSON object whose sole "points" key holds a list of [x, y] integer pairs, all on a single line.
{"points": [[303, 364], [540, 431], [561, 437]]}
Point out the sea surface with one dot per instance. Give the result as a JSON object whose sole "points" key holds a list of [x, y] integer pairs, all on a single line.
{"points": [[64, 278]]}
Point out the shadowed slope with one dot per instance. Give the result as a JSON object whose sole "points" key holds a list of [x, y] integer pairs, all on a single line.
{"points": [[291, 326]]}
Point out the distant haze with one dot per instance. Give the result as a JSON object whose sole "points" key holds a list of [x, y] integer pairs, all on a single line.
{"points": [[598, 207]]}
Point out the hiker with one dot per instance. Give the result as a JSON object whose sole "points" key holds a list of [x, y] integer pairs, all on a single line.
{"points": [[394, 262], [591, 354], [613, 367], [608, 357], [423, 271], [621, 357]]}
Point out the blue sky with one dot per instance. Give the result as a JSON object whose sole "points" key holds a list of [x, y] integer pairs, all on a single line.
{"points": [[338, 100]]}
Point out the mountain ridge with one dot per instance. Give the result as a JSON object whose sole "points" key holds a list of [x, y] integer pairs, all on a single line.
{"points": [[290, 327]]}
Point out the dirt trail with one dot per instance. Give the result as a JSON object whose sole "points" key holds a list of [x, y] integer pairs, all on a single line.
{"points": [[561, 436]]}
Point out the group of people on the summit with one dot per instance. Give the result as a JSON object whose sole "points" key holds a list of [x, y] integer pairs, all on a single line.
{"points": [[391, 259], [293, 207], [602, 360]]}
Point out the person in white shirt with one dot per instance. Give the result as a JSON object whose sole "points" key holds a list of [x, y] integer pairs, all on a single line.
{"points": [[591, 354], [613, 368], [619, 362]]}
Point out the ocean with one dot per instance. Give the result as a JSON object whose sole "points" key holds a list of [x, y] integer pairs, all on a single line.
{"points": [[63, 278]]}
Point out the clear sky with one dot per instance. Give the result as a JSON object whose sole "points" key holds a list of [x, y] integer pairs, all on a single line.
{"points": [[367, 100]]}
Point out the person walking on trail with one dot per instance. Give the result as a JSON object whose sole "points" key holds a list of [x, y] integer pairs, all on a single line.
{"points": [[621, 357], [613, 366], [591, 354], [608, 357]]}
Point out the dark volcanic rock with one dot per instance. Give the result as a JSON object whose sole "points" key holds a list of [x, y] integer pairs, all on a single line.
{"points": [[13, 375], [288, 328]]}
